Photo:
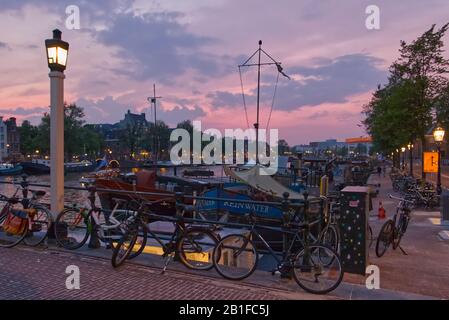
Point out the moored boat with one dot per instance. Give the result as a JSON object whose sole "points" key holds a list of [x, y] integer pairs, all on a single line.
{"points": [[7, 169]]}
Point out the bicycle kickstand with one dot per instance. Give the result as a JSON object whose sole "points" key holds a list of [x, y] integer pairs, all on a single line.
{"points": [[403, 251], [167, 261]]}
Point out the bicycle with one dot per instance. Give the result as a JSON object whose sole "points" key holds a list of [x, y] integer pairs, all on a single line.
{"points": [[35, 217], [75, 225], [191, 244], [394, 229], [316, 267]]}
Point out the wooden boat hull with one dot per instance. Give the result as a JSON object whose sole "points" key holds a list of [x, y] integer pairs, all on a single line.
{"points": [[167, 207]]}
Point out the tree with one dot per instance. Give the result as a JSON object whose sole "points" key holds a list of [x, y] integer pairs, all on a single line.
{"points": [[28, 137], [402, 111], [78, 138]]}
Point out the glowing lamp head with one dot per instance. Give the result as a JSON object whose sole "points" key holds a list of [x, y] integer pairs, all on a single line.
{"points": [[57, 52], [403, 149], [438, 134]]}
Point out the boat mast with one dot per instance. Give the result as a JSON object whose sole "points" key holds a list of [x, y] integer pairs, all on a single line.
{"points": [[153, 101], [256, 125]]}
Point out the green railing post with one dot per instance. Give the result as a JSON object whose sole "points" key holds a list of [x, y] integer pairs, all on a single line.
{"points": [[285, 238]]}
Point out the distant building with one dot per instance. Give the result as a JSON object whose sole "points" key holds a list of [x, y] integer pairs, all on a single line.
{"points": [[3, 140], [133, 119], [13, 139]]}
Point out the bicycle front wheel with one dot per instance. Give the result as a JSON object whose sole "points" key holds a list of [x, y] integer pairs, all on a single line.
{"points": [[123, 248], [195, 248], [235, 257], [317, 269], [385, 238], [71, 230], [40, 222]]}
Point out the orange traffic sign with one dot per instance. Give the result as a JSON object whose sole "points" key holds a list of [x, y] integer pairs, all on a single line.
{"points": [[431, 162]]}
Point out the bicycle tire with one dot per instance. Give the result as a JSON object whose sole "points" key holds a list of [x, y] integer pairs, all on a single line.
{"points": [[62, 239], [317, 267], [330, 236], [33, 240], [370, 236], [142, 244], [208, 243], [221, 262], [116, 259], [384, 238]]}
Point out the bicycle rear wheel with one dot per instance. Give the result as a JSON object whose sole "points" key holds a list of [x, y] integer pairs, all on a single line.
{"points": [[71, 230], [123, 248], [195, 248], [41, 222], [317, 269], [385, 238], [331, 237], [235, 257]]}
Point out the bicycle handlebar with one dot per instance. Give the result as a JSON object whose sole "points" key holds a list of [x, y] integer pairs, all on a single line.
{"points": [[399, 199]]}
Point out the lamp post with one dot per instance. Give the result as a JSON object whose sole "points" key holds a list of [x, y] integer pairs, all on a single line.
{"points": [[410, 149], [57, 52], [403, 157], [438, 136]]}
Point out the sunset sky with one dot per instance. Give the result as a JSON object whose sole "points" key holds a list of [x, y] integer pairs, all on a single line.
{"points": [[191, 49]]}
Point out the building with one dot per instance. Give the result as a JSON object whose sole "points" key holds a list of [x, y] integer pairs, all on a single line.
{"points": [[133, 119], [13, 139], [359, 146], [3, 140]]}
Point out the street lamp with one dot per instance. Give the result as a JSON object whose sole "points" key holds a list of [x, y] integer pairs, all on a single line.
{"points": [[57, 53], [438, 136], [403, 157], [410, 149]]}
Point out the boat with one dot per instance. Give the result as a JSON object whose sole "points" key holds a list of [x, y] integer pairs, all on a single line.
{"points": [[42, 166], [7, 169]]}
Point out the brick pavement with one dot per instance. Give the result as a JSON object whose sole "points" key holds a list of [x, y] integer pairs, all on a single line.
{"points": [[36, 274]]}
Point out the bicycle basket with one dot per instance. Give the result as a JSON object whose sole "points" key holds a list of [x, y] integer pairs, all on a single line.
{"points": [[15, 222]]}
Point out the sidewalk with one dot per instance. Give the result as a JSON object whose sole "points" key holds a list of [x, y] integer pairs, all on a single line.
{"points": [[425, 270]]}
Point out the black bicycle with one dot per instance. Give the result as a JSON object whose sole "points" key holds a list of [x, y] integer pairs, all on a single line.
{"points": [[394, 229], [191, 244], [315, 267]]}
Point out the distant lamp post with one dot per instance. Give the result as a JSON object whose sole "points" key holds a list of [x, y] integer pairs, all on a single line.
{"points": [[57, 53], [438, 136], [410, 149], [403, 156]]}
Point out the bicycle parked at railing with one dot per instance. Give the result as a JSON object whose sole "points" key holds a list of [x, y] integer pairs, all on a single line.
{"points": [[75, 225], [394, 229], [315, 267], [24, 219], [191, 244]]}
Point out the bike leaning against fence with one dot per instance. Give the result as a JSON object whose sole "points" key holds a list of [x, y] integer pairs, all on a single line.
{"points": [[24, 219], [191, 244], [315, 267]]}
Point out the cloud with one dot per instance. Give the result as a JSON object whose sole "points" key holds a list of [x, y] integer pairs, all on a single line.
{"points": [[25, 111], [178, 114], [224, 99], [4, 45], [332, 81], [157, 45]]}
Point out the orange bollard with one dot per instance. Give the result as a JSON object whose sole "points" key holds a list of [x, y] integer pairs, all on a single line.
{"points": [[381, 212]]}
